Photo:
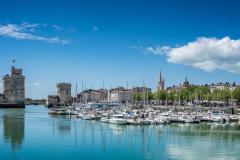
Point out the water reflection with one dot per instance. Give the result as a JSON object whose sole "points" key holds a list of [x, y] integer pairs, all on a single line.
{"points": [[66, 136], [13, 127], [214, 131], [62, 124]]}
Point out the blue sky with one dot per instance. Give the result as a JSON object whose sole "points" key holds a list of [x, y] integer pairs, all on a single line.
{"points": [[116, 42]]}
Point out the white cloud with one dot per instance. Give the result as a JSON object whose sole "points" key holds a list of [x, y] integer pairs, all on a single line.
{"points": [[158, 50], [205, 53], [24, 32]]}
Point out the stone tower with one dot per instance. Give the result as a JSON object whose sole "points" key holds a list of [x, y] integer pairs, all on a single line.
{"points": [[64, 93], [160, 84], [14, 87]]}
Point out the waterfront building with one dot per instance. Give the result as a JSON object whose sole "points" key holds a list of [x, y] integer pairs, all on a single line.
{"points": [[140, 89], [64, 93], [91, 95], [53, 100], [14, 87], [120, 95], [221, 86], [160, 84]]}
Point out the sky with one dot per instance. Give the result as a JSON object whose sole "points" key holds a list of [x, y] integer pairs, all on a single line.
{"points": [[115, 43]]}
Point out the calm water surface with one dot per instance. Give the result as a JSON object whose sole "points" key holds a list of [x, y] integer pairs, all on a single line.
{"points": [[31, 133]]}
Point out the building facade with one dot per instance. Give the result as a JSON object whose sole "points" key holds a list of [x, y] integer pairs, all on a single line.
{"points": [[53, 100], [92, 95], [160, 84], [64, 93], [14, 87], [120, 95], [141, 89], [221, 86]]}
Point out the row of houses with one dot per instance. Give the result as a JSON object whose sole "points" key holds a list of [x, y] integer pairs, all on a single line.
{"points": [[119, 94], [212, 86], [114, 95]]}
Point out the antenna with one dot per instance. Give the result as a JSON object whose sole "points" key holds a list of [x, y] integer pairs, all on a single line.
{"points": [[82, 84], [76, 90]]}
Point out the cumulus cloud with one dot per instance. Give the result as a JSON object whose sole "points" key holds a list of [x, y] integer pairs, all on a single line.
{"points": [[25, 31], [205, 53]]}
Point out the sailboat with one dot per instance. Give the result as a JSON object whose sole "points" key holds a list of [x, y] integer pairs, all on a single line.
{"points": [[72, 110]]}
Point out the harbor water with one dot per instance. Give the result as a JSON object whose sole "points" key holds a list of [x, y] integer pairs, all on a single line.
{"points": [[32, 133]]}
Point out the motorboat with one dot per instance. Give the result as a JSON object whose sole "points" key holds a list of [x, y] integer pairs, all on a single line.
{"points": [[118, 119], [218, 119], [104, 119]]}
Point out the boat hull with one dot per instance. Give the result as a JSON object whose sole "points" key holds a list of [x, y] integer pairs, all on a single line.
{"points": [[117, 121]]}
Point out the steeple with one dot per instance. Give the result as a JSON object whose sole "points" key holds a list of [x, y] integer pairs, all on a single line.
{"points": [[160, 76], [160, 84]]}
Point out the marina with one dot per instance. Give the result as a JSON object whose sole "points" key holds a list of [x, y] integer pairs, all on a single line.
{"points": [[120, 80], [123, 115], [28, 132]]}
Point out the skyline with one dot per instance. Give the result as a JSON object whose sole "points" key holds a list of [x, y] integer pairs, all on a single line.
{"points": [[119, 42]]}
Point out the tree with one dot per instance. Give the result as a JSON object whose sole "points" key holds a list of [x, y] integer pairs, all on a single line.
{"points": [[184, 94], [236, 94], [203, 92], [150, 95], [215, 95], [136, 96], [160, 95], [225, 94]]}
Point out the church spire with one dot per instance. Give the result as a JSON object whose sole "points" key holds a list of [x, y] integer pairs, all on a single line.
{"points": [[160, 84], [160, 76]]}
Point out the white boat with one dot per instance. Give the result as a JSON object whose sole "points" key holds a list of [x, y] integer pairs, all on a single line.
{"points": [[104, 120], [52, 111], [180, 119], [144, 121], [132, 121], [217, 119], [118, 119], [234, 118], [72, 112], [86, 117], [152, 121], [62, 112], [207, 118], [188, 119], [160, 121]]}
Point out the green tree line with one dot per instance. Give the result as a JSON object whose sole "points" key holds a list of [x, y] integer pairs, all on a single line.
{"points": [[190, 94]]}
